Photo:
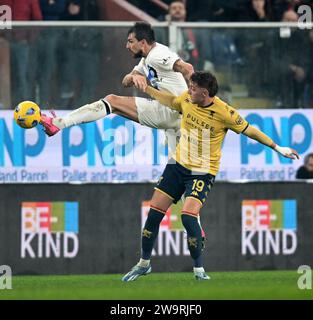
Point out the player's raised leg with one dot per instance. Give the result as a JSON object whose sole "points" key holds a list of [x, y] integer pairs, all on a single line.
{"points": [[124, 106], [144, 111], [160, 202], [190, 215]]}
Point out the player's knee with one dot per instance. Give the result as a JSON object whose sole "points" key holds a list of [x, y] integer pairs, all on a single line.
{"points": [[112, 99]]}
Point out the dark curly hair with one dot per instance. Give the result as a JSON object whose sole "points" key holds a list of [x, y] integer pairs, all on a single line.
{"points": [[143, 30], [205, 80]]}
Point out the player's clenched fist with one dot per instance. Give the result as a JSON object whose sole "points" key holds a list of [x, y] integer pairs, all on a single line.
{"points": [[140, 82]]}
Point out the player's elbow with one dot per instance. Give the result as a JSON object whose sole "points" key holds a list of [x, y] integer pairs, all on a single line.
{"points": [[189, 70]]}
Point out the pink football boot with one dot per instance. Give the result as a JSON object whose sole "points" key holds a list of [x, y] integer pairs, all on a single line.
{"points": [[47, 122]]}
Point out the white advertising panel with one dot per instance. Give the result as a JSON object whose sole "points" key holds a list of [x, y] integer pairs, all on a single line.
{"points": [[115, 149]]}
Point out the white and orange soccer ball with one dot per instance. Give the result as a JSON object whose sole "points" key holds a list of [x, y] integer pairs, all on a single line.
{"points": [[27, 114]]}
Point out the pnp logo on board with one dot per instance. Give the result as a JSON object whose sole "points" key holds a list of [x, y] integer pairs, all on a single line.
{"points": [[171, 238], [49, 229], [269, 226]]}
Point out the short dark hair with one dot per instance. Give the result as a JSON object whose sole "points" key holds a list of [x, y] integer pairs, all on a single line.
{"points": [[205, 80], [181, 1], [143, 31]]}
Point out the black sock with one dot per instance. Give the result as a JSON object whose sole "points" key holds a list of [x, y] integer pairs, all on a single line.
{"points": [[194, 238], [150, 232]]}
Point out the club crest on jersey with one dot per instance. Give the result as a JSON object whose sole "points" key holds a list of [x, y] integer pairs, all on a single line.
{"points": [[239, 120]]}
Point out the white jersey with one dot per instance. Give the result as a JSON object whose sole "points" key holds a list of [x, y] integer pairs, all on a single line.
{"points": [[158, 68]]}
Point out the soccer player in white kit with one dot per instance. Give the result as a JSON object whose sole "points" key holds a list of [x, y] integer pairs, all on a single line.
{"points": [[159, 65]]}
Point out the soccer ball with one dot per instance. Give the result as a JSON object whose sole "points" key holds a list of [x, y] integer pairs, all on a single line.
{"points": [[27, 114]]}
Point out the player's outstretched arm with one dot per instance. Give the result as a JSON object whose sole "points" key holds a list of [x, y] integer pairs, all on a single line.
{"points": [[256, 134], [164, 98]]}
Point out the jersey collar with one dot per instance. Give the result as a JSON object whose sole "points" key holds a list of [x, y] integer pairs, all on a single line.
{"points": [[208, 106]]}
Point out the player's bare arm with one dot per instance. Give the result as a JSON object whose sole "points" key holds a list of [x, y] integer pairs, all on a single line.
{"points": [[134, 78], [256, 134], [186, 69]]}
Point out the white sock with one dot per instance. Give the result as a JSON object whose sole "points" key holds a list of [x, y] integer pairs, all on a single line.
{"points": [[201, 269], [87, 113], [143, 263]]}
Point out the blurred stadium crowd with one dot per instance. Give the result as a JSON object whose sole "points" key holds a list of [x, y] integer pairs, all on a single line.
{"points": [[232, 11], [59, 67]]}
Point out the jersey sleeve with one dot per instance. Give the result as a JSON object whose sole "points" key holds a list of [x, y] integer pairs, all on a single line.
{"points": [[139, 67], [234, 121], [166, 60], [177, 103]]}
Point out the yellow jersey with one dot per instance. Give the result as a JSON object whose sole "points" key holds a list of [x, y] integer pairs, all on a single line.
{"points": [[203, 130]]}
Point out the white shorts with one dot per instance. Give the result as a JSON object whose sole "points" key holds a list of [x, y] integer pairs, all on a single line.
{"points": [[154, 115]]}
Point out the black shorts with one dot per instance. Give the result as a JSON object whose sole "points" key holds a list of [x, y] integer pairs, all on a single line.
{"points": [[177, 180]]}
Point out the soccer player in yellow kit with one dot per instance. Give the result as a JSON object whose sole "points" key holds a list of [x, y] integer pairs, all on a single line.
{"points": [[192, 170]]}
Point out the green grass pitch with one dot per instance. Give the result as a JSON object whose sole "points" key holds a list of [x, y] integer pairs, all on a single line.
{"points": [[178, 286]]}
